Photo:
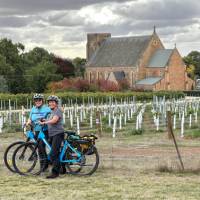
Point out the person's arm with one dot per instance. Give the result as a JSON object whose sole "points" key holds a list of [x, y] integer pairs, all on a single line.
{"points": [[28, 122], [54, 120], [29, 119]]}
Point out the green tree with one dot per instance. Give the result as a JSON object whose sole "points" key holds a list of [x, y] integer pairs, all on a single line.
{"points": [[79, 64], [39, 76], [5, 68], [193, 59], [11, 51], [36, 56], [3, 85], [191, 71], [12, 65], [40, 69]]}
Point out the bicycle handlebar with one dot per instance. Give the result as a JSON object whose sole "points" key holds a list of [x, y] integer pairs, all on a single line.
{"points": [[36, 123]]}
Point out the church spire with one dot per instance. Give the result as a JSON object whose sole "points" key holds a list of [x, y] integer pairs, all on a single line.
{"points": [[154, 29], [174, 45]]}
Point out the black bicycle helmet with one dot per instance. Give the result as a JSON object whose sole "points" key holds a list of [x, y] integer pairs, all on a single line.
{"points": [[53, 98], [38, 96]]}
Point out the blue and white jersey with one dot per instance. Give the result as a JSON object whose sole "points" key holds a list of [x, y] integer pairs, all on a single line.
{"points": [[37, 114]]}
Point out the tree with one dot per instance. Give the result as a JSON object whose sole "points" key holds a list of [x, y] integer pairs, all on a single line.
{"points": [[3, 85], [191, 71], [11, 51], [79, 64], [33, 70], [40, 69], [36, 56], [65, 66], [39, 76], [193, 59], [12, 65], [5, 68]]}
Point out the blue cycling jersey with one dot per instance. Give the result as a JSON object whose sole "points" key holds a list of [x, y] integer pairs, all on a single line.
{"points": [[37, 114]]}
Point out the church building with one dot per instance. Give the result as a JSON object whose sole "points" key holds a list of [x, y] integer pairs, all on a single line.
{"points": [[142, 60]]}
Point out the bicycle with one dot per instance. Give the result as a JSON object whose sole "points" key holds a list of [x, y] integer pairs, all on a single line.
{"points": [[75, 154], [9, 150]]}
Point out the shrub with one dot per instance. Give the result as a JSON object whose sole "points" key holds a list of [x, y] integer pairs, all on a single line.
{"points": [[108, 129], [82, 85], [108, 86], [136, 132], [11, 128], [124, 85]]}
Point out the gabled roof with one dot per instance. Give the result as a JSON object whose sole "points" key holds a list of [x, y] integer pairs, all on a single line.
{"points": [[160, 58], [149, 81], [119, 52], [120, 75]]}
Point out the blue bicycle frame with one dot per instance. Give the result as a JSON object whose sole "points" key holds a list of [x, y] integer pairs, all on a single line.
{"points": [[30, 135], [66, 145]]}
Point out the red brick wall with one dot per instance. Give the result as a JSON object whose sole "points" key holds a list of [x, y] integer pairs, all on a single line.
{"points": [[176, 70], [93, 73], [155, 71], [175, 77]]}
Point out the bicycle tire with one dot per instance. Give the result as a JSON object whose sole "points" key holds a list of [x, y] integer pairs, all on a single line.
{"points": [[81, 172], [8, 162], [33, 151]]}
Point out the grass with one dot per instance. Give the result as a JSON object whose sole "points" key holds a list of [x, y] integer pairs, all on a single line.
{"points": [[131, 167], [193, 134], [105, 184]]}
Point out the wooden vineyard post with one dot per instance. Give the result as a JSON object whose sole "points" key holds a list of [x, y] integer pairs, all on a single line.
{"points": [[171, 135], [169, 124]]}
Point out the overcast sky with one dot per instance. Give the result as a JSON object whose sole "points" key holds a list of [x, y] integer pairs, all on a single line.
{"points": [[61, 26]]}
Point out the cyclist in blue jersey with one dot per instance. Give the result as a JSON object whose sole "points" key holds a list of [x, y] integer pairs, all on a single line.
{"points": [[39, 112]]}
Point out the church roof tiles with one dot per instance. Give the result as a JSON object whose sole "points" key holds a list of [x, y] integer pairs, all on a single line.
{"points": [[160, 58], [119, 52]]}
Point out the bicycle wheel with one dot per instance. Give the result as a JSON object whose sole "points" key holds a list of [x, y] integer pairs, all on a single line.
{"points": [[88, 164], [8, 155], [72, 167], [26, 159]]}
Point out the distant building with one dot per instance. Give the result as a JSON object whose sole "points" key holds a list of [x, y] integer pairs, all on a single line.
{"points": [[141, 60]]}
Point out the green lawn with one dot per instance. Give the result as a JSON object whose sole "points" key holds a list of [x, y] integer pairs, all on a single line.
{"points": [[105, 184]]}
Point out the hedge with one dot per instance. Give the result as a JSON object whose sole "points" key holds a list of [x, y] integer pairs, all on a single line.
{"points": [[98, 97], [195, 93]]}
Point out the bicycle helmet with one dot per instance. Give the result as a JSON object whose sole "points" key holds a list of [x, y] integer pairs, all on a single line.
{"points": [[53, 98], [38, 96]]}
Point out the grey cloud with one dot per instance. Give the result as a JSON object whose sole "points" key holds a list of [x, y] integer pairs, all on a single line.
{"points": [[139, 27], [148, 24], [161, 10], [13, 21], [56, 24], [67, 18], [74, 37], [37, 6]]}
